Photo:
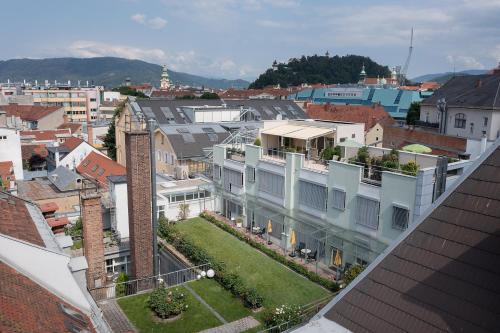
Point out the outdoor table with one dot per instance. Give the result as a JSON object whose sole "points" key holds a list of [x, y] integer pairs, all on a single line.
{"points": [[255, 230], [305, 251]]}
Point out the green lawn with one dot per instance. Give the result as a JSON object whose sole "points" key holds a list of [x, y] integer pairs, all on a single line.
{"points": [[276, 283], [228, 306], [196, 318]]}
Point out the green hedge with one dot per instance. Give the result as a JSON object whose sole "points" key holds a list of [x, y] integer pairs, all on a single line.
{"points": [[230, 281], [330, 285]]}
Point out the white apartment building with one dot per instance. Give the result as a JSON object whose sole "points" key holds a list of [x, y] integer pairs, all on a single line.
{"points": [[337, 205]]}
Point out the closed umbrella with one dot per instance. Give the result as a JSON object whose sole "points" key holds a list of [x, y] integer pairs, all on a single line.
{"points": [[293, 241], [269, 230], [338, 260]]}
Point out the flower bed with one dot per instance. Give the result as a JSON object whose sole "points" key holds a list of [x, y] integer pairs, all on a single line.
{"points": [[167, 303], [198, 256], [330, 285]]}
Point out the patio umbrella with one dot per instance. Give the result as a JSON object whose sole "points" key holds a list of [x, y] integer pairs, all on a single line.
{"points": [[269, 230], [293, 241], [338, 260], [417, 148], [269, 226]]}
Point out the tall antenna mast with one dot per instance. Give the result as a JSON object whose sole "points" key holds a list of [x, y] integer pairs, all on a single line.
{"points": [[404, 71]]}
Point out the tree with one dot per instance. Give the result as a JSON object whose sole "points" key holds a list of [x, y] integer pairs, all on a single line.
{"points": [[124, 90], [110, 138], [352, 272], [319, 69], [257, 142], [75, 229], [413, 114], [209, 95], [183, 211]]}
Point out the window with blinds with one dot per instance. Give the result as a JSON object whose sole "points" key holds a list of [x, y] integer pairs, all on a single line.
{"points": [[338, 199], [232, 178], [250, 174], [312, 195], [367, 211], [400, 218], [216, 172], [271, 183]]}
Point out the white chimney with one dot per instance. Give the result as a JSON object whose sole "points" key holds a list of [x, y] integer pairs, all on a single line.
{"points": [[483, 142], [36, 83]]}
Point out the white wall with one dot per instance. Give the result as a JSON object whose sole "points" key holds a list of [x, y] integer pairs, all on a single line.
{"points": [[111, 95], [346, 131], [119, 195], [74, 158], [10, 150]]}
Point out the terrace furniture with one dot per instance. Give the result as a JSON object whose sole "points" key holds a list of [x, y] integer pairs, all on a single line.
{"points": [[300, 247], [312, 256], [305, 252], [256, 230]]}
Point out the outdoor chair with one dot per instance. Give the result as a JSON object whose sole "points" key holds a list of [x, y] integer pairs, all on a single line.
{"points": [[312, 255], [262, 231]]}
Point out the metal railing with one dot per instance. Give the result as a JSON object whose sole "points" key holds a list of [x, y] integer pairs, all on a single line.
{"points": [[308, 312], [133, 287]]}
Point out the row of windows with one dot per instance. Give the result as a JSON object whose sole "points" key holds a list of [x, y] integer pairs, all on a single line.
{"points": [[181, 197], [461, 120]]}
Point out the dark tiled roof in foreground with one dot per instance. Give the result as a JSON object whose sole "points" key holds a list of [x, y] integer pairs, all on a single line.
{"points": [[444, 276], [25, 306]]}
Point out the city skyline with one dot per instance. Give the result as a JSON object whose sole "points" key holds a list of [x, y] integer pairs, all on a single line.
{"points": [[240, 39]]}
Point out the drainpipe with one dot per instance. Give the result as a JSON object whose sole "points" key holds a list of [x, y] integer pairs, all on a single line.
{"points": [[154, 209]]}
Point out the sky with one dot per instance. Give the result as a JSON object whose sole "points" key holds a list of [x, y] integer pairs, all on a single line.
{"points": [[241, 38]]}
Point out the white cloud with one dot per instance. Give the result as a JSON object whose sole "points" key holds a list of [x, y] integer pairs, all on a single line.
{"points": [[185, 61], [139, 18], [464, 62], [89, 49], [273, 24], [153, 23]]}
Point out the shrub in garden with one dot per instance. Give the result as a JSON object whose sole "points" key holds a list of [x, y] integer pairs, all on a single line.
{"points": [[328, 284], [166, 303], [291, 315], [198, 256], [121, 287], [351, 273]]}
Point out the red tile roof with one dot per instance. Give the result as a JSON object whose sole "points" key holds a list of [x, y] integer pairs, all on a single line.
{"points": [[33, 149], [57, 222], [29, 112], [26, 306], [16, 222], [369, 115], [72, 142], [99, 167], [46, 135], [73, 127], [49, 207]]}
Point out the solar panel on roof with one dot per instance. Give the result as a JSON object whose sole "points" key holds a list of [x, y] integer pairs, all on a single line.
{"points": [[268, 111], [188, 138], [168, 113]]}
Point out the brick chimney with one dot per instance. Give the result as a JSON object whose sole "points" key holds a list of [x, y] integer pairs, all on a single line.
{"points": [[93, 239], [139, 203]]}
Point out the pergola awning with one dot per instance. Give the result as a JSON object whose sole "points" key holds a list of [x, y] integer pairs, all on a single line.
{"points": [[298, 132]]}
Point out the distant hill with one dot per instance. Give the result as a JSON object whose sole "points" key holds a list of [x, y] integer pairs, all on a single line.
{"points": [[107, 71], [320, 69], [444, 77]]}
